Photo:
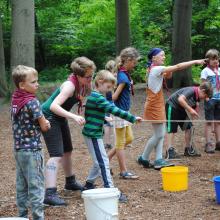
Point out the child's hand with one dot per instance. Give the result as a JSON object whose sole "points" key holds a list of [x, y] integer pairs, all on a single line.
{"points": [[48, 126], [108, 119], [193, 113], [79, 119], [139, 119], [200, 62]]}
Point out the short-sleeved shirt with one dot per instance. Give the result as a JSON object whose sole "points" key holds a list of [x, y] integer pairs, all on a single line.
{"points": [[154, 108], [124, 100], [25, 126], [190, 95], [209, 75], [155, 79]]}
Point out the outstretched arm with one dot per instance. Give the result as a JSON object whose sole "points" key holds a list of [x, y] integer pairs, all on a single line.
{"points": [[181, 66], [112, 109]]}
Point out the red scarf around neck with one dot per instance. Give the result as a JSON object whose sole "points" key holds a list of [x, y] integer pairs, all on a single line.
{"points": [[129, 77], [80, 91], [19, 99]]}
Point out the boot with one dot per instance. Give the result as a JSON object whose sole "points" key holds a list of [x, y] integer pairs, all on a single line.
{"points": [[89, 185], [72, 184], [52, 198]]}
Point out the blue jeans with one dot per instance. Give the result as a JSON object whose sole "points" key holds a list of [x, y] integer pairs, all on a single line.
{"points": [[212, 109], [30, 182]]}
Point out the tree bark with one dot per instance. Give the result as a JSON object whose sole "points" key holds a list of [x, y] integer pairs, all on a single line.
{"points": [[3, 82], [181, 41], [22, 33], [122, 25]]}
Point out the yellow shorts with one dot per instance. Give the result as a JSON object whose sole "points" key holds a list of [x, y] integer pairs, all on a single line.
{"points": [[124, 136]]}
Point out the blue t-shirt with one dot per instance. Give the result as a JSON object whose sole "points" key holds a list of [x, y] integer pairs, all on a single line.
{"points": [[124, 100], [26, 130]]}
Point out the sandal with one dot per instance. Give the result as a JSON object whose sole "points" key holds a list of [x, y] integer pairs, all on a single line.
{"points": [[128, 175]]}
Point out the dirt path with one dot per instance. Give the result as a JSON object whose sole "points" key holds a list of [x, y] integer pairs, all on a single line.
{"points": [[147, 200]]}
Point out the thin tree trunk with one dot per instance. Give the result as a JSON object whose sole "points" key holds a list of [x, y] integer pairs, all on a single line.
{"points": [[181, 41], [3, 82], [22, 33], [122, 25]]}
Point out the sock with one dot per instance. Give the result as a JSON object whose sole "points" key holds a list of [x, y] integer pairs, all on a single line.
{"points": [[70, 179]]}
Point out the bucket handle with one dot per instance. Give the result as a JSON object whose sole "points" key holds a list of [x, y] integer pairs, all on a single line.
{"points": [[110, 217], [107, 214]]}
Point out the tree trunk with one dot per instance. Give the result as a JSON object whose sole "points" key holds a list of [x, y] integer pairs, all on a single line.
{"points": [[122, 25], [181, 41], [3, 82], [22, 33]]}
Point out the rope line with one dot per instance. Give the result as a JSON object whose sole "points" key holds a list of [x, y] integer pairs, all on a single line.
{"points": [[186, 121]]}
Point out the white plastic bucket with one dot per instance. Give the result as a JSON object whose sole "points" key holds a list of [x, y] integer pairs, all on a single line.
{"points": [[101, 204]]}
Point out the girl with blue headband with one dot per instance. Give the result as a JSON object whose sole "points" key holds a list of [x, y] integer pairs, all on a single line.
{"points": [[154, 108]]}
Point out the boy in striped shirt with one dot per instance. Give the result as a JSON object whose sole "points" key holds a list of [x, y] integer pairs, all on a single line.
{"points": [[95, 110]]}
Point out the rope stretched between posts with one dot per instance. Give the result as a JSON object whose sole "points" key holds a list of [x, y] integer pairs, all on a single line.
{"points": [[185, 121]]}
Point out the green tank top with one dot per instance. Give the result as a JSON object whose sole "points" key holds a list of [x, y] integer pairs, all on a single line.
{"points": [[67, 105]]}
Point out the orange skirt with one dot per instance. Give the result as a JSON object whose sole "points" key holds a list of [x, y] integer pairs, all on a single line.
{"points": [[154, 108]]}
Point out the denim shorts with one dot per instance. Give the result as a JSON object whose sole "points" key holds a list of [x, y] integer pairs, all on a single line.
{"points": [[212, 109]]}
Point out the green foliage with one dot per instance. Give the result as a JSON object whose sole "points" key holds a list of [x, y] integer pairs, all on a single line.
{"points": [[196, 72], [87, 27], [56, 74]]}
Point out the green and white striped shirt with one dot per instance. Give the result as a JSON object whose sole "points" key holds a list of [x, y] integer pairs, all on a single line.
{"points": [[96, 108]]}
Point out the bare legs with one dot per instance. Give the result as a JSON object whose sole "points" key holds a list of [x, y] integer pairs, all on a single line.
{"points": [[52, 167]]}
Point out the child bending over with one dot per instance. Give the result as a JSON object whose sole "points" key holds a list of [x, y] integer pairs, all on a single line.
{"points": [[95, 110], [183, 101]]}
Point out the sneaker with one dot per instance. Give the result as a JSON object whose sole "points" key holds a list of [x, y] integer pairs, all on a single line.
{"points": [[108, 146], [72, 184], [171, 154], [160, 163], [129, 145], [128, 175], [122, 198], [217, 146], [144, 163], [52, 198], [209, 148], [191, 152], [89, 186]]}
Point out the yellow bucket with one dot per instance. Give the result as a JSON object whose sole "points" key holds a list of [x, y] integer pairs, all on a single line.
{"points": [[175, 178]]}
